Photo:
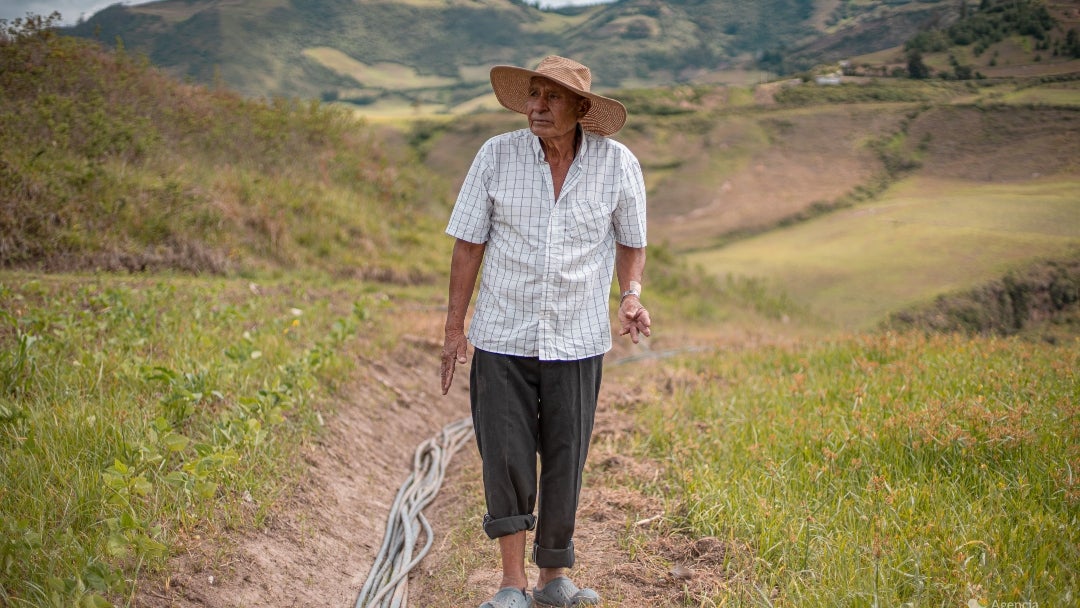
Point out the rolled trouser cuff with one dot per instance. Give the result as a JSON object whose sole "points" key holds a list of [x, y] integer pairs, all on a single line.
{"points": [[505, 526], [553, 558]]}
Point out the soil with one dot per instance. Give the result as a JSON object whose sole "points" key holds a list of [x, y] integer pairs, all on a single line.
{"points": [[622, 548], [318, 542]]}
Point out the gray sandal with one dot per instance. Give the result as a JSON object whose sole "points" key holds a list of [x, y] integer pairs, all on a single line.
{"points": [[508, 597], [561, 593]]}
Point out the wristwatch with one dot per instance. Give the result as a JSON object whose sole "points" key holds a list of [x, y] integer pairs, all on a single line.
{"points": [[630, 292]]}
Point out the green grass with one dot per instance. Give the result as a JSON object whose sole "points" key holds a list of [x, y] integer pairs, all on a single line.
{"points": [[875, 91], [383, 75], [1045, 95], [923, 237], [885, 470], [116, 167], [139, 413], [135, 414]]}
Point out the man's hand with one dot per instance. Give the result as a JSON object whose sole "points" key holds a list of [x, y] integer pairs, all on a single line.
{"points": [[455, 346], [464, 268], [634, 318]]}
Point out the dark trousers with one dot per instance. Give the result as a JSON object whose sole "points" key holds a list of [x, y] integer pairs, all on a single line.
{"points": [[522, 407]]}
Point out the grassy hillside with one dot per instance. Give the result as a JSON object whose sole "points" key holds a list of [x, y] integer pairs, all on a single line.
{"points": [[995, 39], [878, 470], [116, 166], [982, 189], [922, 238], [440, 52]]}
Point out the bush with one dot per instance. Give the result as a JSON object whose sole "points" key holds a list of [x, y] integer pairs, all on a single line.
{"points": [[1047, 290], [992, 22]]}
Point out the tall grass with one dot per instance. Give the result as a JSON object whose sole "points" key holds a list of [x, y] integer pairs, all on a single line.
{"points": [[137, 415], [108, 164], [885, 470]]}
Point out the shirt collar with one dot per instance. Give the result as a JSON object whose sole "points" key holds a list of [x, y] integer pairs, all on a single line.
{"points": [[538, 150]]}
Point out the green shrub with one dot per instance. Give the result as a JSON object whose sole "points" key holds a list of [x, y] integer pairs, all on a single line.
{"points": [[1044, 291]]}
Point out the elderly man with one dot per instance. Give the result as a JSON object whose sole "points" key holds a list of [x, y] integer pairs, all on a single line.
{"points": [[550, 211]]}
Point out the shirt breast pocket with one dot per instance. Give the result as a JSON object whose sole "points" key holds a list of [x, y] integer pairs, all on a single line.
{"points": [[589, 221]]}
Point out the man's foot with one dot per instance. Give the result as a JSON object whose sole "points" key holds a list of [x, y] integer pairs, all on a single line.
{"points": [[561, 593], [509, 597]]}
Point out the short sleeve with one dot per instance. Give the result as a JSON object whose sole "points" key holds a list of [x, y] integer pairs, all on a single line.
{"points": [[471, 218], [629, 216]]}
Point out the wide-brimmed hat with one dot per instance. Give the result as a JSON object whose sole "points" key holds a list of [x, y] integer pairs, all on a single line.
{"points": [[511, 84]]}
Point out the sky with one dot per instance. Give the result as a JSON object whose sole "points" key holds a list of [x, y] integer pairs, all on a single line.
{"points": [[71, 10]]}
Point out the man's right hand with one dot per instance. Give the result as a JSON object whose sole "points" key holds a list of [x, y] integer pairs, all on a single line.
{"points": [[455, 346]]}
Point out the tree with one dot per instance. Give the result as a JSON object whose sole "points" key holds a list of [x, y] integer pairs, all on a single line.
{"points": [[915, 66], [1072, 43]]}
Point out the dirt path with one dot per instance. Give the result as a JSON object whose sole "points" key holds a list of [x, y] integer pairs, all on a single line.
{"points": [[621, 550], [319, 543]]}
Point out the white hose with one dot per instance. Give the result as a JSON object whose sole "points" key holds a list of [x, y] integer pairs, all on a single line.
{"points": [[387, 585]]}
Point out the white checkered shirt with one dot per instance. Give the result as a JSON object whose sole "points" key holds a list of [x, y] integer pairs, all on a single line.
{"points": [[548, 265]]}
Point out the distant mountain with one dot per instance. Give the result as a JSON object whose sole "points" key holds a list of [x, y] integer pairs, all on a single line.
{"points": [[439, 51]]}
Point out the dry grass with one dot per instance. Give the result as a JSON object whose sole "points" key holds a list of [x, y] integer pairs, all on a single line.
{"points": [[143, 173], [383, 75], [921, 239]]}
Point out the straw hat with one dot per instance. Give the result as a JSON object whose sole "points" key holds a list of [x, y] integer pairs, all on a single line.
{"points": [[511, 84]]}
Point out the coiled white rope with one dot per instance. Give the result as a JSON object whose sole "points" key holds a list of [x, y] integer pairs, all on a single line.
{"points": [[387, 585]]}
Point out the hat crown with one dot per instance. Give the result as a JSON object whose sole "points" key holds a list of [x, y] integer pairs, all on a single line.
{"points": [[567, 72], [512, 88]]}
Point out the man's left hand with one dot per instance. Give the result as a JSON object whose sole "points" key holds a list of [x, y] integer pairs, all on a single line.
{"points": [[634, 319]]}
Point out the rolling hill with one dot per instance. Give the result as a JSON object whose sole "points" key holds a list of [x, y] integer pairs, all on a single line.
{"points": [[423, 51], [303, 185], [855, 209]]}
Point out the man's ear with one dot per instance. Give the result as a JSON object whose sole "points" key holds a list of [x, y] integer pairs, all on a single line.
{"points": [[584, 106]]}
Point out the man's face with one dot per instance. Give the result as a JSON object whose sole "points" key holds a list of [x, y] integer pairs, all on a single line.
{"points": [[552, 109]]}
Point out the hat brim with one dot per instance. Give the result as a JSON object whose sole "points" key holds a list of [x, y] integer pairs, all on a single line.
{"points": [[511, 85]]}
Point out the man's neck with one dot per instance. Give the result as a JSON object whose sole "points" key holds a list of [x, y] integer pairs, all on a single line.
{"points": [[561, 149]]}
